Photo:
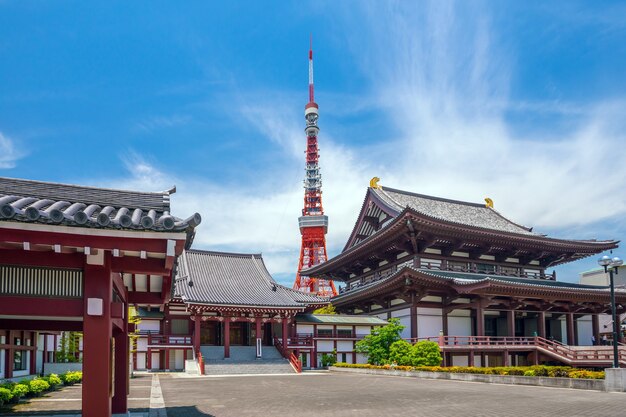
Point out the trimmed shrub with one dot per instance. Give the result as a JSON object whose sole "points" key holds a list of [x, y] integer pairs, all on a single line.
{"points": [[54, 380], [71, 378], [37, 386], [19, 391], [539, 370], [5, 395], [400, 353], [426, 353]]}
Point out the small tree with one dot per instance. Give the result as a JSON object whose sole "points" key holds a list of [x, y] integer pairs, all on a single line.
{"points": [[329, 359], [327, 309], [400, 353], [377, 344], [426, 353]]}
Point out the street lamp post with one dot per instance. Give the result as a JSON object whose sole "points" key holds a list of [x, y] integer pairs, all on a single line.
{"points": [[611, 266]]}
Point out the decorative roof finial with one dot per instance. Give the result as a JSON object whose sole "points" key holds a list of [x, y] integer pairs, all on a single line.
{"points": [[489, 202], [374, 183]]}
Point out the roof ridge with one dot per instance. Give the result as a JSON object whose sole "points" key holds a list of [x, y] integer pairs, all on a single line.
{"points": [[231, 254], [90, 187], [430, 197]]}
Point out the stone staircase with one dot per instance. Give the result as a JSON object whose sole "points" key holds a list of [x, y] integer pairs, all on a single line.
{"points": [[243, 361]]}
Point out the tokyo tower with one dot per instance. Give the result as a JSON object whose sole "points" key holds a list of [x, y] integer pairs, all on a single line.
{"points": [[313, 223]]}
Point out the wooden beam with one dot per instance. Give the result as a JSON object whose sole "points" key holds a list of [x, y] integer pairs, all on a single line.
{"points": [[41, 325], [145, 298], [139, 266], [48, 259], [41, 306]]}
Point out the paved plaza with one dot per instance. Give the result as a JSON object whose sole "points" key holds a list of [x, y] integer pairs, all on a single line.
{"points": [[329, 394]]}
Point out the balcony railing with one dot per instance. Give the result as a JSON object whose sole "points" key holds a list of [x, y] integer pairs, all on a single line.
{"points": [[169, 340], [330, 335]]}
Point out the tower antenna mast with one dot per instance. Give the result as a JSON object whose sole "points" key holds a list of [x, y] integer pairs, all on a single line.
{"points": [[313, 223]]}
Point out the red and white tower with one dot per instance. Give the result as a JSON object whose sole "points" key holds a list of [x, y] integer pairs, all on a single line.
{"points": [[313, 223]]}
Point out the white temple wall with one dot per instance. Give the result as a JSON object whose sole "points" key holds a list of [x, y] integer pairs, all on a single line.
{"points": [[149, 325], [344, 346], [325, 345], [363, 330], [429, 322], [141, 360], [585, 330], [459, 326]]}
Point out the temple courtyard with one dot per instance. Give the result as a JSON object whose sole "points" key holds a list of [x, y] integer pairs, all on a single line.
{"points": [[329, 394]]}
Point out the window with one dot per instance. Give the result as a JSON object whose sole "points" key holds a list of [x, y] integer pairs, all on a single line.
{"points": [[509, 270], [430, 263], [324, 332], [485, 268], [344, 333], [457, 266], [19, 360]]}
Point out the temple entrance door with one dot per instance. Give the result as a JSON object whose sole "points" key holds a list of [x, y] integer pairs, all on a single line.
{"points": [[237, 333], [267, 334], [208, 333]]}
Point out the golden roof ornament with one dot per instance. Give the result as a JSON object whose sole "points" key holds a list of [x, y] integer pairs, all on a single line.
{"points": [[489, 202], [374, 183]]}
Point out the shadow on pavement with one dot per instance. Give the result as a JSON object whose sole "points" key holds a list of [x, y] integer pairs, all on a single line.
{"points": [[188, 411]]}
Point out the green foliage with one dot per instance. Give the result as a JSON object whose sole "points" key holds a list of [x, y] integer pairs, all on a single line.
{"points": [[329, 359], [539, 370], [68, 347], [378, 343], [5, 395], [426, 353], [71, 378], [37, 386], [400, 353], [327, 309], [54, 380], [20, 390]]}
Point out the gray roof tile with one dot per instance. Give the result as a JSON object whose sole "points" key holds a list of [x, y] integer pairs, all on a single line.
{"points": [[74, 205], [233, 279], [471, 214]]}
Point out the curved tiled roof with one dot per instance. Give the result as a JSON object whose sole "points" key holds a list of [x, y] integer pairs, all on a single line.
{"points": [[220, 278], [74, 205], [461, 212]]}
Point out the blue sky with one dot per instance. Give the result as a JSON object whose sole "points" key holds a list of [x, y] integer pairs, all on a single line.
{"points": [[521, 102]]}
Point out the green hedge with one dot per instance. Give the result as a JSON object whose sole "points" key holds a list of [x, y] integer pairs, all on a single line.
{"points": [[539, 370], [14, 391]]}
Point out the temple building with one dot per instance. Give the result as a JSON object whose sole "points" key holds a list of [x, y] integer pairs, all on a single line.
{"points": [[464, 275], [73, 258]]}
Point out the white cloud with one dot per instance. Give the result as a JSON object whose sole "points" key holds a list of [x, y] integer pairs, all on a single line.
{"points": [[443, 80], [9, 153]]}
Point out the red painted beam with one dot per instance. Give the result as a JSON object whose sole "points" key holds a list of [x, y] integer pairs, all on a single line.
{"points": [[48, 259], [145, 298], [42, 325], [40, 306], [118, 285], [139, 266], [101, 242]]}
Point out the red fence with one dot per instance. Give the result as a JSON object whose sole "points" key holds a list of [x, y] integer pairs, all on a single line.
{"points": [[169, 340]]}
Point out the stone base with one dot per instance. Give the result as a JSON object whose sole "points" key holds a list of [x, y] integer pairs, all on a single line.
{"points": [[615, 379]]}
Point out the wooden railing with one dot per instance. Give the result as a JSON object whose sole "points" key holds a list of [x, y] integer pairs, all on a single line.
{"points": [[288, 354], [332, 335], [169, 340], [200, 360], [581, 355]]}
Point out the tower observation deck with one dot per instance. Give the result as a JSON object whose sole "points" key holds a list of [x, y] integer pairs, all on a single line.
{"points": [[313, 223]]}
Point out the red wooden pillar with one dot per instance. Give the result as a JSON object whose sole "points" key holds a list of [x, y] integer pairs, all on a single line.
{"points": [[166, 365], [8, 356], [541, 324], [122, 357], [196, 333], [510, 323], [227, 337], [480, 320], [96, 390], [571, 337], [413, 313], [149, 359], [33, 353], [45, 354], [595, 328], [284, 332], [259, 336]]}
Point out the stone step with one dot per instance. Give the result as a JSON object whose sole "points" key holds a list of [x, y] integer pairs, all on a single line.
{"points": [[265, 367]]}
